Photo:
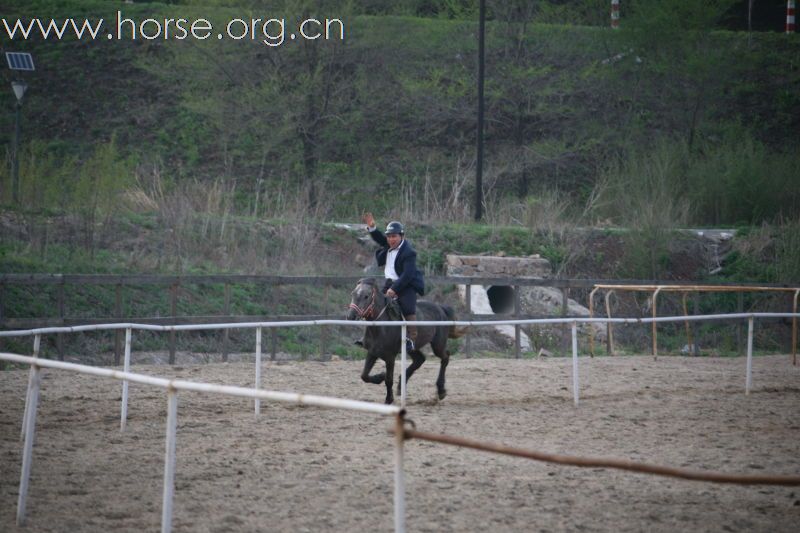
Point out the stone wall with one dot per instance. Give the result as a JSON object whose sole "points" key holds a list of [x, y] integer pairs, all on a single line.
{"points": [[486, 266]]}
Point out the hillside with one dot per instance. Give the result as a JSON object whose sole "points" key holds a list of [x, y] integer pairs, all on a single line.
{"points": [[227, 155], [385, 117]]}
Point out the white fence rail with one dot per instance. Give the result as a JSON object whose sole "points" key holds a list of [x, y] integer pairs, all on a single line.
{"points": [[258, 326], [173, 386]]}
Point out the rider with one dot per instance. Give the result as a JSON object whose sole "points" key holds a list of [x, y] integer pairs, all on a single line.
{"points": [[403, 280]]}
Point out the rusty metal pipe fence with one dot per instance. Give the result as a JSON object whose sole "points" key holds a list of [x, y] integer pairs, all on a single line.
{"points": [[684, 289]]}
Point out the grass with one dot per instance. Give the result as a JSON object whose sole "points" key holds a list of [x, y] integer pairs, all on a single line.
{"points": [[251, 299], [598, 141]]}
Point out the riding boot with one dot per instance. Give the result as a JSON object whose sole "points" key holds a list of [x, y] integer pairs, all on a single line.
{"points": [[411, 333]]}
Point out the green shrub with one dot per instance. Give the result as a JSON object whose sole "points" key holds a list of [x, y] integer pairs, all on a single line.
{"points": [[739, 180]]}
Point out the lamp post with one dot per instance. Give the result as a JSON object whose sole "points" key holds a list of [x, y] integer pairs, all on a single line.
{"points": [[479, 162], [19, 88]]}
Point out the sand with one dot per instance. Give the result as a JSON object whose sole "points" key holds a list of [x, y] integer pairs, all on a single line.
{"points": [[310, 469]]}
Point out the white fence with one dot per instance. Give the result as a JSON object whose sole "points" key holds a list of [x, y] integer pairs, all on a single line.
{"points": [[173, 386]]}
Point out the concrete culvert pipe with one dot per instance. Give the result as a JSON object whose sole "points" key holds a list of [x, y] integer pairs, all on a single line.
{"points": [[501, 298]]}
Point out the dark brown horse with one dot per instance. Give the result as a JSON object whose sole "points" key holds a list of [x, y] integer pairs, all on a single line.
{"points": [[369, 303]]}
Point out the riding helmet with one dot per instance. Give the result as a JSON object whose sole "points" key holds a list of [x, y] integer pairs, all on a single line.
{"points": [[394, 228]]}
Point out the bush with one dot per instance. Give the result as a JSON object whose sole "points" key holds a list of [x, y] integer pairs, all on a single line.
{"points": [[644, 194], [739, 180]]}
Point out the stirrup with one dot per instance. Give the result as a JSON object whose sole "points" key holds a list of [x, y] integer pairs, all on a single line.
{"points": [[409, 345]]}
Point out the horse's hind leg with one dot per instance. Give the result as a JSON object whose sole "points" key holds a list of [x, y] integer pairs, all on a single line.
{"points": [[389, 379], [417, 358], [369, 362], [444, 355]]}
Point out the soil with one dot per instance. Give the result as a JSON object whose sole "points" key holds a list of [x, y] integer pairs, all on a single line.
{"points": [[309, 469]]}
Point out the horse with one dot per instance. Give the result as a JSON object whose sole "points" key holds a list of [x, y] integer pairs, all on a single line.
{"points": [[369, 303]]}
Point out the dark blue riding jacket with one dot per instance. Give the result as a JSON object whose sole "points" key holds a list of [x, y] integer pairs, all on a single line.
{"points": [[405, 264]]}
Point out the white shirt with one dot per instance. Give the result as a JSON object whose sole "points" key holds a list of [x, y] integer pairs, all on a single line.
{"points": [[389, 270]]}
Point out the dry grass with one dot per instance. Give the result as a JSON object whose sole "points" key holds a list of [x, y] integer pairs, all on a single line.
{"points": [[198, 224]]}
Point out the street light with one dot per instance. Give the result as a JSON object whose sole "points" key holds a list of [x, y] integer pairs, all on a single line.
{"points": [[22, 61], [19, 88]]}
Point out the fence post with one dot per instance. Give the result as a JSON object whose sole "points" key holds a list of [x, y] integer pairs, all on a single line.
{"points": [[125, 368], [258, 369], [27, 449], [468, 340], [118, 315], [609, 326], [61, 314], [169, 460], [36, 344], [591, 315], [575, 381], [399, 477], [690, 347], [226, 332], [403, 333], [794, 328], [274, 343], [696, 311], [517, 327], [749, 376], [565, 310], [173, 310], [2, 311], [323, 332], [739, 309], [655, 313]]}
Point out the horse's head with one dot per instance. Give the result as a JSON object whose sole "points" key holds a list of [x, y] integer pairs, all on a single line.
{"points": [[363, 300]]}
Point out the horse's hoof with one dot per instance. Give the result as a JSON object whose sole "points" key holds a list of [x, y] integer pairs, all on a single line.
{"points": [[389, 401], [442, 393]]}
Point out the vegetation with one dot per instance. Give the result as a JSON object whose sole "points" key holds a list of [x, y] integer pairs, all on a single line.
{"points": [[231, 156], [391, 107]]}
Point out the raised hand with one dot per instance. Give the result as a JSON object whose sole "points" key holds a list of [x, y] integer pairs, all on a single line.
{"points": [[368, 219]]}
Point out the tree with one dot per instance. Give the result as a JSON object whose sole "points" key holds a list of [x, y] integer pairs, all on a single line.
{"points": [[677, 54], [275, 105], [98, 190]]}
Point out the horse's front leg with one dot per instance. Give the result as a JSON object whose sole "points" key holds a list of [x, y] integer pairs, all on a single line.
{"points": [[369, 362], [440, 389], [389, 378]]}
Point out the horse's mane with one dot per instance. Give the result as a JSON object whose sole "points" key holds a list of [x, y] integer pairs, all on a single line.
{"points": [[368, 281]]}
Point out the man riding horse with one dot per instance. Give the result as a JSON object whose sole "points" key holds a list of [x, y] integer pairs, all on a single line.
{"points": [[402, 285], [403, 280]]}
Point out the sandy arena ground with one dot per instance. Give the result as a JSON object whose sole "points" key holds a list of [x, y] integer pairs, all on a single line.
{"points": [[309, 469]]}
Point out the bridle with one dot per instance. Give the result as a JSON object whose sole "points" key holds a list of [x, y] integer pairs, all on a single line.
{"points": [[365, 313]]}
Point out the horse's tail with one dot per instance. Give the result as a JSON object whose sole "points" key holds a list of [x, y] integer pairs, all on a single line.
{"points": [[454, 332]]}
